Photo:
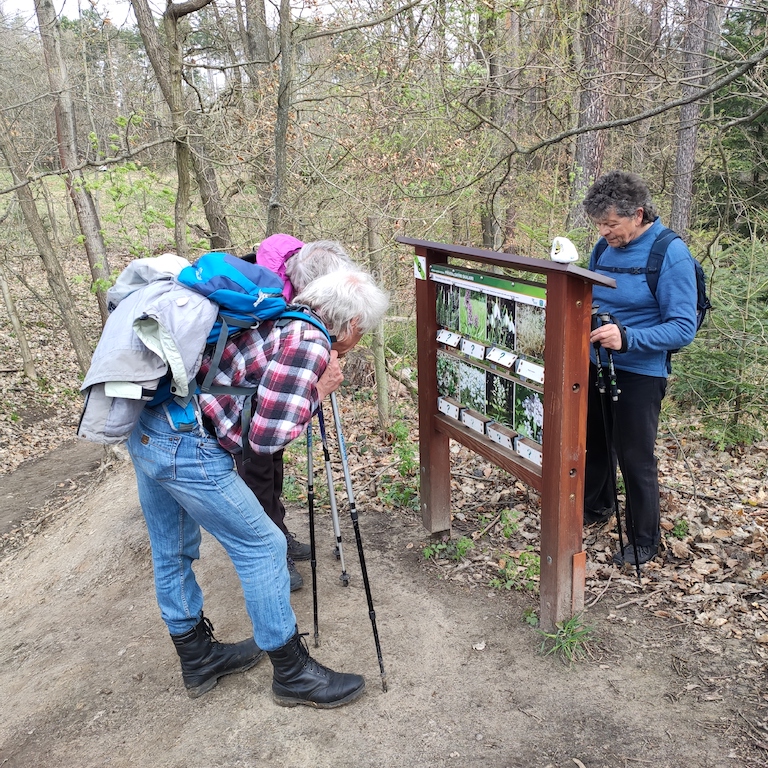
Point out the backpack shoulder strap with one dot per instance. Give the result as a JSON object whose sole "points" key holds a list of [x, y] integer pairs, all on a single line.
{"points": [[600, 246], [656, 257], [302, 312]]}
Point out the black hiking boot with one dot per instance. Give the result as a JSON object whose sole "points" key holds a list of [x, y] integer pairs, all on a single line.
{"points": [[204, 660], [297, 550], [299, 679], [627, 556], [297, 582]]}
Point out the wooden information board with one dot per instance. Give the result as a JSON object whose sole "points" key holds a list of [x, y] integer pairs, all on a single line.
{"points": [[503, 370]]}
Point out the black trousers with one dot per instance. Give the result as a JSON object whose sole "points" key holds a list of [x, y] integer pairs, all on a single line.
{"points": [[632, 423], [263, 474]]}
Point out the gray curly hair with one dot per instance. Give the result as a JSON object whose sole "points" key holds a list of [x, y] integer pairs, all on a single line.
{"points": [[622, 191]]}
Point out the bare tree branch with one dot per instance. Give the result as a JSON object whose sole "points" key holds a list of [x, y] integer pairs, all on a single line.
{"points": [[90, 164], [177, 10], [361, 25], [665, 107], [741, 70]]}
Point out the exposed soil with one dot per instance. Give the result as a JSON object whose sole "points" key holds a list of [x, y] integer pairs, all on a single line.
{"points": [[89, 676], [48, 481]]}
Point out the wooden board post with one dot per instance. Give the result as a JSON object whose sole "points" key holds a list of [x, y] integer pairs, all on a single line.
{"points": [[566, 362], [434, 455]]}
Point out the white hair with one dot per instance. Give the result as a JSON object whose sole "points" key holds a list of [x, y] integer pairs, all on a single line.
{"points": [[314, 260], [343, 297]]}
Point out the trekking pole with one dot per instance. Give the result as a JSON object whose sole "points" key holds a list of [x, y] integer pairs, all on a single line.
{"points": [[338, 551], [605, 318], [311, 505], [602, 389], [358, 537]]}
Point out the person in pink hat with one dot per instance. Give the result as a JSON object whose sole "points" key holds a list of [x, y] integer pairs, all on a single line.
{"points": [[297, 264]]}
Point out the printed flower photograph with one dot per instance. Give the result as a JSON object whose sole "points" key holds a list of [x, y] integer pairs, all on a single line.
{"points": [[447, 375], [529, 413], [447, 306], [501, 322], [500, 396], [529, 324], [472, 387], [473, 314]]}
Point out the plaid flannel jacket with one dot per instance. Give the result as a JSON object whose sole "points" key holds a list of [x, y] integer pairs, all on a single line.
{"points": [[283, 364]]}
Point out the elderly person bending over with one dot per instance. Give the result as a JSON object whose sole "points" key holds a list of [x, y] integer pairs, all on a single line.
{"points": [[187, 481]]}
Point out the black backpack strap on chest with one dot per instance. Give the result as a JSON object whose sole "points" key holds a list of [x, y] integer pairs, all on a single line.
{"points": [[652, 267]]}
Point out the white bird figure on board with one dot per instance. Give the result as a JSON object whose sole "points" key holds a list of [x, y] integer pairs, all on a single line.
{"points": [[563, 250]]}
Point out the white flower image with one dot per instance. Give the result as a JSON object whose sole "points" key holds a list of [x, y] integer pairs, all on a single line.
{"points": [[472, 387]]}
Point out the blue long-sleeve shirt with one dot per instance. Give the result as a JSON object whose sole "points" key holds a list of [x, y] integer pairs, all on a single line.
{"points": [[653, 325]]}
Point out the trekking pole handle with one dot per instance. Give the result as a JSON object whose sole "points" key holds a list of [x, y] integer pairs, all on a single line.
{"points": [[598, 361], [606, 319]]}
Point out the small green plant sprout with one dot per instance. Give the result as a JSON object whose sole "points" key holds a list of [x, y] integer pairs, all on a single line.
{"points": [[293, 489], [455, 550], [434, 549], [519, 571], [403, 448], [570, 640], [530, 617], [680, 529], [401, 494], [508, 521]]}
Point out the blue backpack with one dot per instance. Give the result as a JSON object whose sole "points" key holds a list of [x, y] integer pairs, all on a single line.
{"points": [[246, 294]]}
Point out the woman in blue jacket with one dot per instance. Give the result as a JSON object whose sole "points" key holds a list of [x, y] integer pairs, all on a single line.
{"points": [[642, 330]]}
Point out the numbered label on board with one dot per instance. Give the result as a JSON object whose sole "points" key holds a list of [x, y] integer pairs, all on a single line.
{"points": [[529, 450], [449, 338], [501, 357], [474, 420], [473, 349]]}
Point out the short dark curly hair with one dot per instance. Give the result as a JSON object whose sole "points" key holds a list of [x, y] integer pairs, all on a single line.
{"points": [[622, 191]]}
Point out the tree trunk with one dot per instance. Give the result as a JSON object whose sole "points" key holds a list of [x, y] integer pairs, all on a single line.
{"points": [[56, 278], [18, 328], [166, 62], [688, 127], [219, 237], [66, 132], [639, 155], [597, 43], [275, 208], [256, 38], [490, 105], [375, 253]]}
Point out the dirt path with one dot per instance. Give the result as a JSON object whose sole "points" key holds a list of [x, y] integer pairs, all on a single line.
{"points": [[53, 476], [89, 677]]}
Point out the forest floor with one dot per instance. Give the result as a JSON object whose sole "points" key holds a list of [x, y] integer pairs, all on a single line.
{"points": [[673, 673]]}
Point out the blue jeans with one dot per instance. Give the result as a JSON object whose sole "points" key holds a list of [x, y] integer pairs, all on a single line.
{"points": [[187, 480]]}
